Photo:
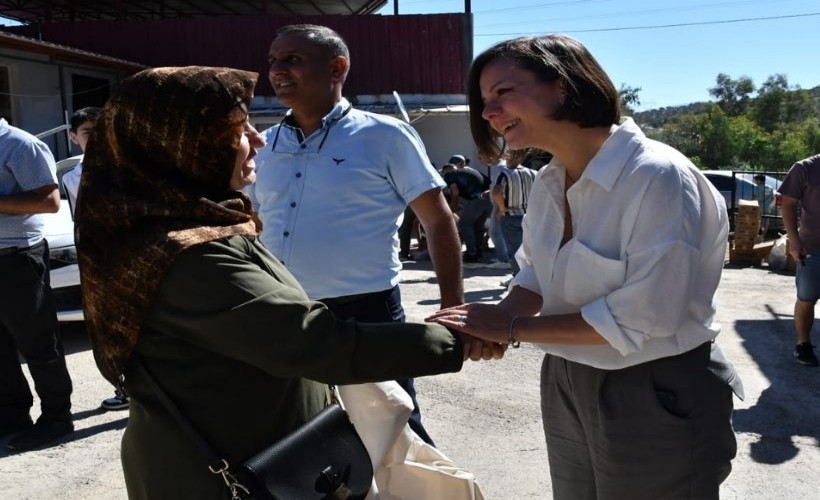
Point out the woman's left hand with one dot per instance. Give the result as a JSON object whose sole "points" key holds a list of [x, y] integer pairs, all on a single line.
{"points": [[484, 321]]}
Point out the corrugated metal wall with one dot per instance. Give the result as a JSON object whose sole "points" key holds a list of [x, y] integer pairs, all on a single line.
{"points": [[413, 54]]}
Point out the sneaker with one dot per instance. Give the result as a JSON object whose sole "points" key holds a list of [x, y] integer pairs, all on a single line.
{"points": [[804, 354], [506, 283], [118, 402], [499, 265], [44, 432]]}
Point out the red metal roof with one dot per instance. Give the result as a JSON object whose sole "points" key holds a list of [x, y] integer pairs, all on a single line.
{"points": [[48, 11], [62, 53], [413, 54]]}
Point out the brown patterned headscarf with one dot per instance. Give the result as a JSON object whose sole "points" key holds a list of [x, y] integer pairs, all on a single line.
{"points": [[156, 182]]}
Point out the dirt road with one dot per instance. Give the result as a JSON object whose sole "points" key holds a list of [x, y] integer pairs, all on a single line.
{"points": [[487, 417]]}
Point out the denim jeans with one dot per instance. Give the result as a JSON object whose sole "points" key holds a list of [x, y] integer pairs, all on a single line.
{"points": [[513, 234], [497, 236], [807, 278]]}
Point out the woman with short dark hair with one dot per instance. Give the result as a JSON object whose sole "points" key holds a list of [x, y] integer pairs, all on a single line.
{"points": [[623, 247]]}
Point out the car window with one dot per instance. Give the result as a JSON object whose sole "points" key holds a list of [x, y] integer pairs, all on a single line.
{"points": [[745, 189], [722, 183]]}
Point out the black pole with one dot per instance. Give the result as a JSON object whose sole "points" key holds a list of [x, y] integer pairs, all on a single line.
{"points": [[395, 7], [467, 6]]}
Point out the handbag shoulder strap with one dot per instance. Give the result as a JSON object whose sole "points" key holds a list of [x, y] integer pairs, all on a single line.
{"points": [[216, 464]]}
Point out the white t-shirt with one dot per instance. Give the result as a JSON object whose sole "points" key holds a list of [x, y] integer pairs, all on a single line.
{"points": [[648, 246], [71, 184]]}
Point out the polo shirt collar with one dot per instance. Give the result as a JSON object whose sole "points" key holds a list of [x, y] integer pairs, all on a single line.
{"points": [[340, 109]]}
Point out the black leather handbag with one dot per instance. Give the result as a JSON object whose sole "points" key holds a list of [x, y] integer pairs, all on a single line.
{"points": [[323, 459]]}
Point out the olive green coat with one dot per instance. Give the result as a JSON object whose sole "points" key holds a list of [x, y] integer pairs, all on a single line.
{"points": [[239, 347]]}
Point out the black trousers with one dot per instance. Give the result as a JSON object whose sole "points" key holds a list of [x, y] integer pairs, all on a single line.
{"points": [[657, 430], [28, 324], [380, 307], [406, 231]]}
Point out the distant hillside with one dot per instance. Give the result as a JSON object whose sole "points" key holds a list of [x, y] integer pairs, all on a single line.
{"points": [[657, 118]]}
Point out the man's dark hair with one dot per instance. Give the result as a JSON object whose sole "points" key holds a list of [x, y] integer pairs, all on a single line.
{"points": [[322, 36], [759, 177], [88, 114]]}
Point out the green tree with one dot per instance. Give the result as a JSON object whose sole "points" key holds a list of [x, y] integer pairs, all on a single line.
{"points": [[629, 98], [750, 144], [780, 125], [769, 106], [812, 133], [793, 142], [733, 95], [682, 132], [717, 145]]}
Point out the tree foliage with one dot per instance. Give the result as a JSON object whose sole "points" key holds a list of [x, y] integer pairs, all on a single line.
{"points": [[629, 98], [733, 95], [764, 129]]}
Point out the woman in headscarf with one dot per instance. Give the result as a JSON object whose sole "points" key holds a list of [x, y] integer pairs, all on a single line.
{"points": [[172, 273], [624, 242]]}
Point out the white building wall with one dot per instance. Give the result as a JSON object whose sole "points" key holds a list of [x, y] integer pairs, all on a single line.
{"points": [[445, 135], [39, 99]]}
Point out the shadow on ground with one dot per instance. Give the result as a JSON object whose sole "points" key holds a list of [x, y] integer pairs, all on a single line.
{"points": [[789, 408], [75, 337], [77, 435], [492, 292]]}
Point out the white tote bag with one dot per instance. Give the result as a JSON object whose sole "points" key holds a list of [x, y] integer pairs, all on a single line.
{"points": [[405, 467]]}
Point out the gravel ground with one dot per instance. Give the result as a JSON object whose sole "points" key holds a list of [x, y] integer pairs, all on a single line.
{"points": [[487, 418]]}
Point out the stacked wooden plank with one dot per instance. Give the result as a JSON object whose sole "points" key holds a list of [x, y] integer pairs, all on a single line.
{"points": [[747, 228]]}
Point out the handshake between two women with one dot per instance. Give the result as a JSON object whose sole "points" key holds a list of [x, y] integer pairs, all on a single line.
{"points": [[485, 329]]}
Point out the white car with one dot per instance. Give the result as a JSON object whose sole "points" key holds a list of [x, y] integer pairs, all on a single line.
{"points": [[65, 274]]}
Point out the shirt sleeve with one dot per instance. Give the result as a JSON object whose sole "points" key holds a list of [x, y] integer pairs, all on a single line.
{"points": [[666, 276], [408, 166], [32, 165], [795, 182], [219, 298], [501, 180]]}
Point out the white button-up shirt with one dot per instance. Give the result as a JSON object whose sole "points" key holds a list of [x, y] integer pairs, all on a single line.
{"points": [[331, 204], [648, 246]]}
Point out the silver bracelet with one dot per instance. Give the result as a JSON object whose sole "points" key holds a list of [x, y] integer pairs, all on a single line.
{"points": [[511, 340]]}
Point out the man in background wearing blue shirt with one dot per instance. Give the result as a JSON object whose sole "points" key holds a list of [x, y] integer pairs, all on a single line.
{"points": [[28, 319], [333, 182]]}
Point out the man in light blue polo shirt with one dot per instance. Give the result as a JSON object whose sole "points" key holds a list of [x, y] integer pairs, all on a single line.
{"points": [[28, 319], [333, 182]]}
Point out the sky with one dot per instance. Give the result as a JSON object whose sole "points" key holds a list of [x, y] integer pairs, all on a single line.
{"points": [[672, 49]]}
